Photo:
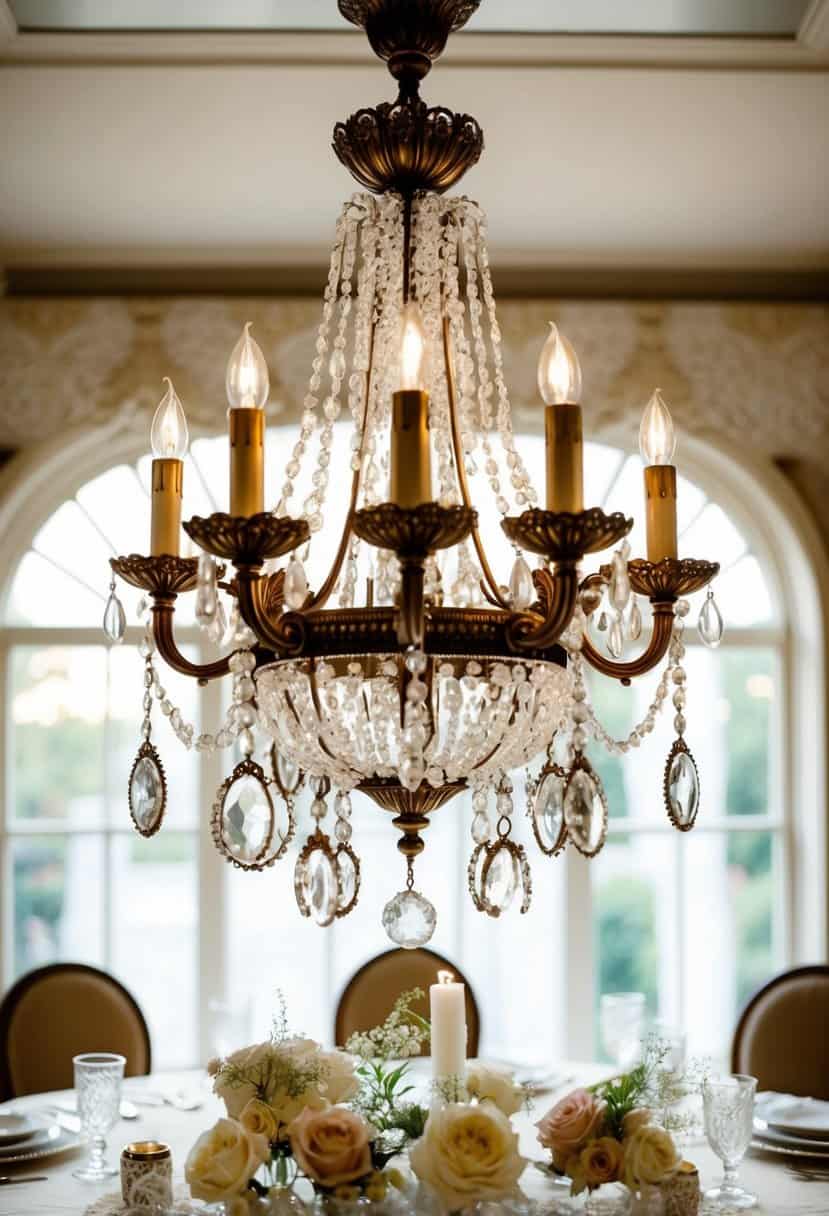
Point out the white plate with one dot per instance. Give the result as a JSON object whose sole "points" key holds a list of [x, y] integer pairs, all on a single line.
{"points": [[767, 1137], [14, 1128], [57, 1141], [809, 1125]]}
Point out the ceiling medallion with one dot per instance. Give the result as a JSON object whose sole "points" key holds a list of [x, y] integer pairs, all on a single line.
{"points": [[418, 665]]}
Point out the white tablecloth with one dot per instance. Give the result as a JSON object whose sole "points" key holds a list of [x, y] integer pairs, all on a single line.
{"points": [[787, 1187]]}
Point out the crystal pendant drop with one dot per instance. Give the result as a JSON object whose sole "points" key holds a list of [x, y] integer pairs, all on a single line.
{"points": [[635, 621], [346, 880], [286, 771], [521, 588], [481, 828], [206, 594], [147, 791], [321, 888], [217, 626], [585, 809], [548, 812], [247, 818], [295, 587], [619, 589], [681, 787], [710, 623], [409, 919], [615, 639], [115, 619], [501, 878]]}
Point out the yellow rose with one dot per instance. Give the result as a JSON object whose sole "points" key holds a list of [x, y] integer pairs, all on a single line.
{"points": [[599, 1162], [339, 1080], [650, 1156], [223, 1160], [635, 1119], [258, 1118], [468, 1154], [488, 1083], [331, 1146]]}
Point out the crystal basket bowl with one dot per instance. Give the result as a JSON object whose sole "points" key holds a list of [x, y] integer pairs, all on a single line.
{"points": [[348, 717]]}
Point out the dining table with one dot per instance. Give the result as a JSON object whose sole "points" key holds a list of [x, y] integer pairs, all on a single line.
{"points": [[786, 1186]]}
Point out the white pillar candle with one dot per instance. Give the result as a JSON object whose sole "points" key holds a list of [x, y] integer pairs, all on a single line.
{"points": [[447, 1004]]}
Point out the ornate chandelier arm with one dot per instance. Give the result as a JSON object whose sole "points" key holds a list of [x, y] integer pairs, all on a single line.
{"points": [[490, 585], [162, 614], [663, 617], [558, 593], [260, 603]]}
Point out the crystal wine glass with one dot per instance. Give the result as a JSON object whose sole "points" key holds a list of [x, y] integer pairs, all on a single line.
{"points": [[728, 1105], [98, 1077], [622, 1017]]}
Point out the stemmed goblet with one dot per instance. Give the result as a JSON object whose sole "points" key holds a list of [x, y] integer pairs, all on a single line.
{"points": [[728, 1106], [622, 1017], [98, 1077]]}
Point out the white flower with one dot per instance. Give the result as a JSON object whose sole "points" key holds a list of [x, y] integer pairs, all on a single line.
{"points": [[488, 1083], [468, 1154], [223, 1160], [340, 1082], [286, 1075], [650, 1156]]}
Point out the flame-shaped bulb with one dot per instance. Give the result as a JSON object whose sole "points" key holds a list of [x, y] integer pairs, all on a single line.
{"points": [[168, 433], [412, 348], [247, 381], [657, 438], [559, 371]]}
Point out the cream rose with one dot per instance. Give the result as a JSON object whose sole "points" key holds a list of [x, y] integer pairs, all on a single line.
{"points": [[650, 1156], [599, 1162], [273, 1073], [635, 1119], [331, 1146], [488, 1083], [340, 1082], [223, 1160], [569, 1124], [468, 1154], [257, 1117]]}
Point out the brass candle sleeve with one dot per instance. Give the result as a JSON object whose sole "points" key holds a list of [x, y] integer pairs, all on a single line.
{"points": [[411, 464], [165, 526], [565, 457], [247, 461], [660, 506]]}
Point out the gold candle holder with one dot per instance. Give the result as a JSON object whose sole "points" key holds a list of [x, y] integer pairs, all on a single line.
{"points": [[565, 457], [660, 506], [167, 485], [411, 465], [247, 461], [147, 1174]]}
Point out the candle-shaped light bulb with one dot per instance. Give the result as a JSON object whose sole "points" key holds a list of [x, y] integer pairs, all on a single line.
{"points": [[559, 371], [246, 380], [657, 438], [168, 433], [446, 977], [412, 348]]}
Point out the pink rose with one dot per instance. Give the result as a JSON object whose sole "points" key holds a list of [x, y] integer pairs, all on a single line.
{"points": [[331, 1146], [570, 1123]]}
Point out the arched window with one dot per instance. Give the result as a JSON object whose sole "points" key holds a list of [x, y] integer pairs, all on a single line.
{"points": [[695, 921]]}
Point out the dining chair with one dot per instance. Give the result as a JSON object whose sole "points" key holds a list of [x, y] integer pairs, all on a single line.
{"points": [[57, 1012], [370, 993], [782, 1036]]}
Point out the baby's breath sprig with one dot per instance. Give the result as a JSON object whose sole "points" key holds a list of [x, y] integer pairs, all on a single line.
{"points": [[399, 1037]]}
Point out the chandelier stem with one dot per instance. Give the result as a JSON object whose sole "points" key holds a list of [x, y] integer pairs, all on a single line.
{"points": [[663, 618], [411, 625], [494, 591]]}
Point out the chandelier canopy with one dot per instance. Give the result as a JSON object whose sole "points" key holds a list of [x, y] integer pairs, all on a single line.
{"points": [[416, 668]]}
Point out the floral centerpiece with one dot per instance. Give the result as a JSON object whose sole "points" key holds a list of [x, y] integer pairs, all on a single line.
{"points": [[607, 1134]]}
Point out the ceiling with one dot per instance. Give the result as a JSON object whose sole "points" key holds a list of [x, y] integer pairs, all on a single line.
{"points": [[605, 156], [762, 18]]}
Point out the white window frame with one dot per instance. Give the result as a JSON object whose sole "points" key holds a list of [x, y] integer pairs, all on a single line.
{"points": [[35, 484]]}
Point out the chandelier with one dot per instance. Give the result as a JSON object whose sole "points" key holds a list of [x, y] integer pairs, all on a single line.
{"points": [[412, 672]]}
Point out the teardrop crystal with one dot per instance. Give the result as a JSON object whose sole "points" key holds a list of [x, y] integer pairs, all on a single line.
{"points": [[585, 812], [521, 588], [548, 810], [115, 619], [287, 772], [635, 621], [502, 879], [409, 919], [146, 794], [321, 888], [347, 876], [710, 623], [206, 594], [481, 828], [217, 627], [247, 818], [683, 789], [295, 587], [619, 589], [615, 639]]}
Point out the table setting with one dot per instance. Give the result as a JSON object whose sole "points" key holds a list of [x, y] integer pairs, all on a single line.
{"points": [[288, 1126]]}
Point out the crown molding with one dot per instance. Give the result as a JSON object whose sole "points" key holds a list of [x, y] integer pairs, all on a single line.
{"points": [[807, 52], [814, 28]]}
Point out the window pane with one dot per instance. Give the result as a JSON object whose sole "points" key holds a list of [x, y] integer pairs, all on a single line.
{"points": [[57, 884], [750, 684], [155, 937], [42, 595], [58, 702]]}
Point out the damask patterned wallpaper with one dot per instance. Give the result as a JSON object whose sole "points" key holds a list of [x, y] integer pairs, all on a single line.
{"points": [[756, 374]]}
